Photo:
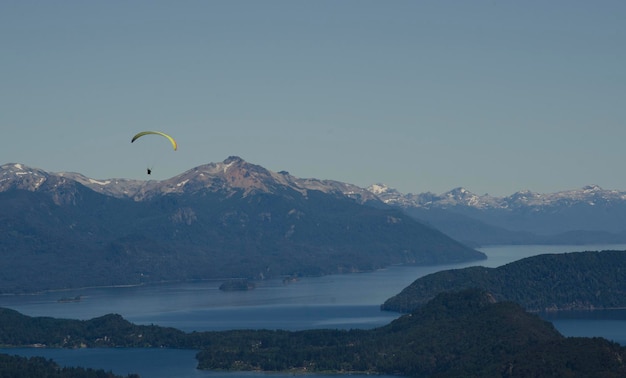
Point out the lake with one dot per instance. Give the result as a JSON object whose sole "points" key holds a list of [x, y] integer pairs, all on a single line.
{"points": [[338, 301]]}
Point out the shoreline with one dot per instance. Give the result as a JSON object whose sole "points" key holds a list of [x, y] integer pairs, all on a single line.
{"points": [[217, 281]]}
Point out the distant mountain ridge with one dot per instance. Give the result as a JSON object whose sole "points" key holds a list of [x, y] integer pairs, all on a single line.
{"points": [[590, 215], [217, 221], [461, 197], [233, 174]]}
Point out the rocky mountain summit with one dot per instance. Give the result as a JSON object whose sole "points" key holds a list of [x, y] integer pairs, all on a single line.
{"points": [[232, 175]]}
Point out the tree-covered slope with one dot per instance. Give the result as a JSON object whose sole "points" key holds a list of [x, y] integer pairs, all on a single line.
{"points": [[109, 330], [39, 367], [579, 280], [463, 334], [457, 334]]}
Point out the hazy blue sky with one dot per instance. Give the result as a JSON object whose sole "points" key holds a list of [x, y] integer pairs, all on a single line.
{"points": [[494, 96]]}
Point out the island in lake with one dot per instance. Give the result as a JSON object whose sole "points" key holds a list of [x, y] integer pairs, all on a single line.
{"points": [[237, 285], [77, 298]]}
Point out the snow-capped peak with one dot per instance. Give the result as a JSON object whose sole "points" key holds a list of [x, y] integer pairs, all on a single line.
{"points": [[462, 197], [236, 175], [379, 189], [19, 176]]}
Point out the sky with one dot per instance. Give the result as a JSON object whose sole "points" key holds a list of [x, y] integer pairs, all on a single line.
{"points": [[423, 96]]}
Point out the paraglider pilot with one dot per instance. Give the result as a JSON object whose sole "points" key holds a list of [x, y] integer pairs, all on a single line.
{"points": [[174, 145]]}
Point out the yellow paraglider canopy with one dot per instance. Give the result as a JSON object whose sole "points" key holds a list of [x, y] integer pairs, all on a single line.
{"points": [[139, 135]]}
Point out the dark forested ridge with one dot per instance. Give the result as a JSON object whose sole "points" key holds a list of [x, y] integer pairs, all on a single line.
{"points": [[456, 334], [38, 367], [589, 215], [568, 281], [106, 331]]}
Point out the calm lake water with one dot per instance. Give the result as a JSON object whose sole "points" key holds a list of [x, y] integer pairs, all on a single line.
{"points": [[340, 301]]}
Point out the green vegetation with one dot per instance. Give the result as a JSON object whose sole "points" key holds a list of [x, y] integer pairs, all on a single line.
{"points": [[106, 331], [38, 367], [456, 334], [580, 280]]}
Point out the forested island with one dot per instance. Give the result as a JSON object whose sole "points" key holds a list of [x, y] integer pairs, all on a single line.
{"points": [[550, 282], [465, 333]]}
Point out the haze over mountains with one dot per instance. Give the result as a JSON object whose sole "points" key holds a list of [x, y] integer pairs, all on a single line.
{"points": [[216, 221], [582, 216]]}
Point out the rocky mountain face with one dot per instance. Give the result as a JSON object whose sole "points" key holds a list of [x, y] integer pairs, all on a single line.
{"points": [[583, 216], [230, 176], [223, 220]]}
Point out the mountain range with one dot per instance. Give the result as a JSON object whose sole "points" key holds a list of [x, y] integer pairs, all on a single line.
{"points": [[590, 215], [221, 220], [234, 219]]}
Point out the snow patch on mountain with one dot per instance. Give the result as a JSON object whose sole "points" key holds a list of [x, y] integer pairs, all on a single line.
{"points": [[379, 189], [461, 197], [18, 176], [236, 175], [99, 182]]}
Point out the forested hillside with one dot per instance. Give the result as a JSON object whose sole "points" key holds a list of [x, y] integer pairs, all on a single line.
{"points": [[578, 280], [38, 367], [456, 334]]}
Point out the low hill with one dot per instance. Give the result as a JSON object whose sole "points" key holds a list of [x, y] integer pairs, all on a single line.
{"points": [[108, 331], [569, 281], [457, 334], [38, 367]]}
